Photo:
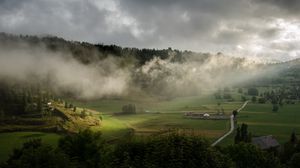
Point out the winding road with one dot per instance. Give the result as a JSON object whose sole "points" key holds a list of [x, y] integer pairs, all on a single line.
{"points": [[231, 126]]}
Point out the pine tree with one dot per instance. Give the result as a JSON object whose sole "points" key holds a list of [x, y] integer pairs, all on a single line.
{"points": [[237, 137], [66, 104], [293, 138], [244, 132], [249, 137], [275, 108], [234, 113], [39, 104], [24, 102]]}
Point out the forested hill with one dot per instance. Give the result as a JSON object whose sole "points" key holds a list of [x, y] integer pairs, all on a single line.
{"points": [[87, 52], [115, 70], [177, 64]]}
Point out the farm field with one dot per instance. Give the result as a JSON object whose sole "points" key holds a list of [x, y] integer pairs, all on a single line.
{"points": [[9, 141], [206, 103], [114, 127], [262, 121], [158, 117]]}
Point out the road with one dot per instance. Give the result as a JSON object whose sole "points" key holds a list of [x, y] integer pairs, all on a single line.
{"points": [[231, 126], [243, 106]]}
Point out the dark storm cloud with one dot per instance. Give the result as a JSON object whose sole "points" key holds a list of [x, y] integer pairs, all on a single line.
{"points": [[291, 6], [237, 27], [176, 21]]}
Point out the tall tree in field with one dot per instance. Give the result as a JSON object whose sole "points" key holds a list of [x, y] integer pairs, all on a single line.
{"points": [[293, 138], [234, 113], [242, 134], [24, 102], [237, 137], [253, 99], [275, 108], [39, 104], [66, 105]]}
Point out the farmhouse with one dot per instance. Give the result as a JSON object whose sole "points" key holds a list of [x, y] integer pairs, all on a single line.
{"points": [[265, 142], [208, 116]]}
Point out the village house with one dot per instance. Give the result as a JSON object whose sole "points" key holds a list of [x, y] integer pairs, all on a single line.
{"points": [[265, 142]]}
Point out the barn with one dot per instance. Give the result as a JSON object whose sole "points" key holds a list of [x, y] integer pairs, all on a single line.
{"points": [[265, 142]]}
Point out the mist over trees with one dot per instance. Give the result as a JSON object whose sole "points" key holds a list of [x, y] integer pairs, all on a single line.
{"points": [[88, 53], [50, 66], [105, 70], [90, 71]]}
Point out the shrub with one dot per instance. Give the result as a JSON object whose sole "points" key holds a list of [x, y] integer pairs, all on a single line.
{"points": [[35, 154]]}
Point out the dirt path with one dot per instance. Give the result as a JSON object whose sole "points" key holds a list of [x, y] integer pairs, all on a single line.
{"points": [[231, 126], [243, 106]]}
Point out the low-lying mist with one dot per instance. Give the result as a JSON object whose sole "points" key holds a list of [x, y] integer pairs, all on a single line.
{"points": [[196, 75], [106, 77], [62, 72]]}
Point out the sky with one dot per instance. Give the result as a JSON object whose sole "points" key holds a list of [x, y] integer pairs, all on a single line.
{"points": [[265, 29]]}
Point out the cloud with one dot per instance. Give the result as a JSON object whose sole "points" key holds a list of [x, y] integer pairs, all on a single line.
{"points": [[290, 6], [197, 75], [198, 25]]}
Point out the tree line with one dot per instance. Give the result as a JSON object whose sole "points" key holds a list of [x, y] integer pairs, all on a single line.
{"points": [[23, 100], [88, 149], [88, 53]]}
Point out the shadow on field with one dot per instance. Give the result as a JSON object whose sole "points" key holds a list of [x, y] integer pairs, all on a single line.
{"points": [[32, 136]]}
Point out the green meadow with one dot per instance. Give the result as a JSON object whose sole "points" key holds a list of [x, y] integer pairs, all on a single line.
{"points": [[206, 103], [262, 121], [114, 127], [156, 117]]}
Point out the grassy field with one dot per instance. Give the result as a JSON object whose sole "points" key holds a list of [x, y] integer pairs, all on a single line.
{"points": [[155, 117], [9, 141], [205, 103], [114, 127], [262, 121], [161, 116], [168, 115]]}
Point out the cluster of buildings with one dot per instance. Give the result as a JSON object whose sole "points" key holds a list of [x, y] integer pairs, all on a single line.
{"points": [[208, 116]]}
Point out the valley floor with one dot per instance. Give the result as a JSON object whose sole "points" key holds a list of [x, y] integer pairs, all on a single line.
{"points": [[159, 117]]}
